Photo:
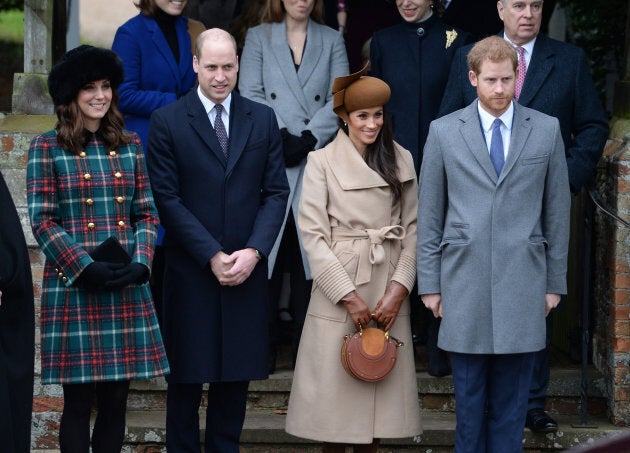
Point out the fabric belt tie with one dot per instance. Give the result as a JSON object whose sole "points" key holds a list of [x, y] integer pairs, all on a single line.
{"points": [[371, 251]]}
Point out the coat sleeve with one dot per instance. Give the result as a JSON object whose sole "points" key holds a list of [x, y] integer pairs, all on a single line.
{"points": [[454, 94], [431, 213], [43, 208], [134, 98], [328, 273], [196, 240], [143, 214], [274, 191], [589, 127], [405, 272], [556, 215], [323, 124]]}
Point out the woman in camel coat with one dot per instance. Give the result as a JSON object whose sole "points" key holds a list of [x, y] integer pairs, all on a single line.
{"points": [[358, 226]]}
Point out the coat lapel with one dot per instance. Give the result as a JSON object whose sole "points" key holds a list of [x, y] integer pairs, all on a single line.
{"points": [[201, 124], [540, 67], [158, 39], [241, 123], [473, 137], [282, 53], [521, 128], [312, 53]]}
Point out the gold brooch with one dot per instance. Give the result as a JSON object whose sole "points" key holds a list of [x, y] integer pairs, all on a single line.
{"points": [[451, 35]]}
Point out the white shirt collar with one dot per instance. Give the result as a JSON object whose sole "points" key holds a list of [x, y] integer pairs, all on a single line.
{"points": [[528, 47], [209, 105], [487, 119]]}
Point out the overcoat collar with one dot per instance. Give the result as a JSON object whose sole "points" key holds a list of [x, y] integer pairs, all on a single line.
{"points": [[540, 66], [241, 123], [473, 137], [351, 170], [310, 58]]}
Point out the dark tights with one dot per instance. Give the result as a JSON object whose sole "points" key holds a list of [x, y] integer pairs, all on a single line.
{"points": [[109, 427], [357, 448]]}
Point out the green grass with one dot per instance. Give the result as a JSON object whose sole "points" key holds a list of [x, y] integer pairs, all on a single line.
{"points": [[12, 26]]}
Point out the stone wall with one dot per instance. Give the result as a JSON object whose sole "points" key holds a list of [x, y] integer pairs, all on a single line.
{"points": [[48, 400], [611, 275]]}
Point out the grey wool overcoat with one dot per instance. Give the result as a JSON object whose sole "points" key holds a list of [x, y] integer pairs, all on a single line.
{"points": [[301, 99], [493, 246], [347, 214]]}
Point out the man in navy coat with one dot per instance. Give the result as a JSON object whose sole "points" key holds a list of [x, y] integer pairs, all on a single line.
{"points": [[557, 82], [217, 171]]}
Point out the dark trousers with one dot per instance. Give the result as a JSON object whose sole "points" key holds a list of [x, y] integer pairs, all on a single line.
{"points": [[540, 374], [289, 259], [109, 427], [491, 392], [224, 417]]}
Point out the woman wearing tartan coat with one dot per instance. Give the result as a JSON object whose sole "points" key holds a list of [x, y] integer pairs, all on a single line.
{"points": [[358, 225], [87, 182]]}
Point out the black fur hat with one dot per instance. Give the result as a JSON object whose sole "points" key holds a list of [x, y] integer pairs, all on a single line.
{"points": [[82, 65]]}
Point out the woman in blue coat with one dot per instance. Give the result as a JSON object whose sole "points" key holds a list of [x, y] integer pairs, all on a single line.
{"points": [[155, 48], [289, 63], [87, 186]]}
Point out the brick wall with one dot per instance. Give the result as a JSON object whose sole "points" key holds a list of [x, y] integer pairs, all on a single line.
{"points": [[611, 275]]}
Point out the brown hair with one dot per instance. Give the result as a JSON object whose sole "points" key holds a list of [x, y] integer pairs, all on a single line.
{"points": [[71, 129], [380, 156], [491, 48], [275, 11], [146, 7]]}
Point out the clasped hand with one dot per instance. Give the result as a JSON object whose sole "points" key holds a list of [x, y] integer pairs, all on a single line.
{"points": [[234, 269], [105, 275]]}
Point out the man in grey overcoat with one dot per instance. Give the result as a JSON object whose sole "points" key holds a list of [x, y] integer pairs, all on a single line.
{"points": [[493, 229]]}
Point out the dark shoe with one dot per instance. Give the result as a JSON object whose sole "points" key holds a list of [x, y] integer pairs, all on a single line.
{"points": [[539, 422]]}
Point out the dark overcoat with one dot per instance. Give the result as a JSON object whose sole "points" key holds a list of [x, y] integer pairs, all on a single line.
{"points": [[416, 69], [207, 204], [17, 331], [558, 82]]}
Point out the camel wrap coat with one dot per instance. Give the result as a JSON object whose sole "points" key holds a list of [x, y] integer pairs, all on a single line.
{"points": [[355, 238]]}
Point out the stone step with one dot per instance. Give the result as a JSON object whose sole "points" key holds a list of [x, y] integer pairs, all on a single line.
{"points": [[435, 394], [263, 431]]}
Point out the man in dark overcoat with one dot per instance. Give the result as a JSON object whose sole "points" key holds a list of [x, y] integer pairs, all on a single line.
{"points": [[216, 166], [557, 82], [17, 330]]}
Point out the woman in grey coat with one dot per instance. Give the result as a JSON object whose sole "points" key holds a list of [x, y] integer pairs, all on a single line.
{"points": [[289, 63]]}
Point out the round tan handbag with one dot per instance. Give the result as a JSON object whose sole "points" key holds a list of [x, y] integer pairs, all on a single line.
{"points": [[369, 354]]}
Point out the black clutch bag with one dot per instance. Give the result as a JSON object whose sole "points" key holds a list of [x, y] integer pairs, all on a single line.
{"points": [[111, 251]]}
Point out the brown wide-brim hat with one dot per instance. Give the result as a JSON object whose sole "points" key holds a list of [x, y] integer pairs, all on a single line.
{"points": [[358, 91]]}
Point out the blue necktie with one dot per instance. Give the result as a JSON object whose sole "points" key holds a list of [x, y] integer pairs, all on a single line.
{"points": [[219, 128], [496, 147]]}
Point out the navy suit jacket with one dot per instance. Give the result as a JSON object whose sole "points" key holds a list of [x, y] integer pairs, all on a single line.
{"points": [[207, 204], [558, 83]]}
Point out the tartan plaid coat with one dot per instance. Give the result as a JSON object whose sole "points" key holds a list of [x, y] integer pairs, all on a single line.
{"points": [[75, 202]]}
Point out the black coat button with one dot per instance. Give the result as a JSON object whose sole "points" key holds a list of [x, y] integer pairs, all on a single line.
{"points": [[273, 95], [317, 98]]}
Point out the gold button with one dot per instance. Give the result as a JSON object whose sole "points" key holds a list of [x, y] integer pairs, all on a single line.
{"points": [[112, 152], [60, 274], [56, 269], [118, 174], [89, 201], [82, 154], [121, 224], [87, 176], [65, 279], [91, 225], [120, 199]]}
